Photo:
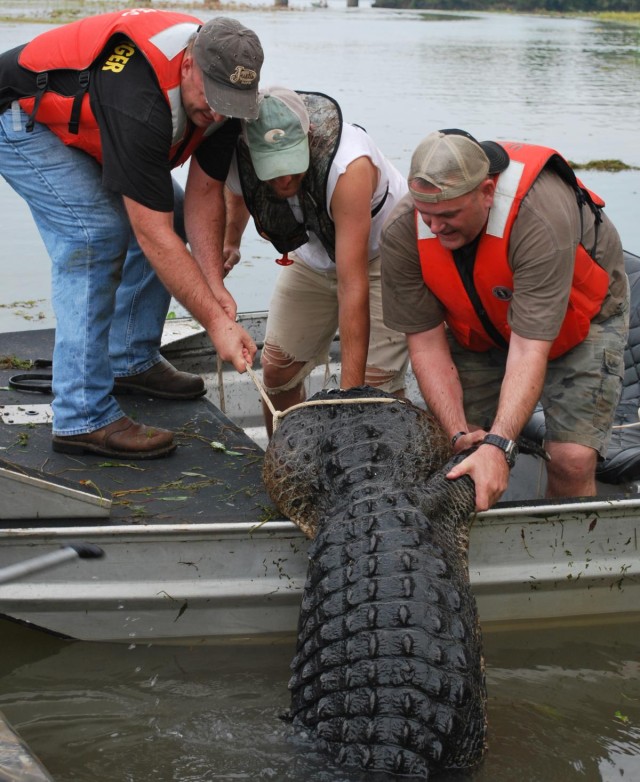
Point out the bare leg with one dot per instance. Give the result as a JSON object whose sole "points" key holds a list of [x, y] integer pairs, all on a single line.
{"points": [[571, 471], [278, 370]]}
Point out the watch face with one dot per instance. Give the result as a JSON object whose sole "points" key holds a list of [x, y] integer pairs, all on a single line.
{"points": [[511, 453]]}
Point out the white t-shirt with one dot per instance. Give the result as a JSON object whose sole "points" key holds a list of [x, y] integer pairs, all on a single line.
{"points": [[354, 143]]}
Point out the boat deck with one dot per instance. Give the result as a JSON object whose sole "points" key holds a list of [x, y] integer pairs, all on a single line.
{"points": [[214, 476]]}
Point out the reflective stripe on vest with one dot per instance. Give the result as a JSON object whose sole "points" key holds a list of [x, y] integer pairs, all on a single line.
{"points": [[161, 36]]}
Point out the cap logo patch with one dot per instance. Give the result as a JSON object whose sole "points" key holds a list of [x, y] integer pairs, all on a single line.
{"points": [[242, 75], [274, 135]]}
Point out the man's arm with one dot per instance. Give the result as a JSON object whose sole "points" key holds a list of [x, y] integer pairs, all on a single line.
{"points": [[520, 391], [237, 219], [438, 378], [351, 213], [205, 217], [185, 280]]}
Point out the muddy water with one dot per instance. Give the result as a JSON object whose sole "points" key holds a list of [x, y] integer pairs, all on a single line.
{"points": [[564, 706]]}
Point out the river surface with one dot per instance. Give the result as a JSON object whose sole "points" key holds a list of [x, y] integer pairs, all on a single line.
{"points": [[564, 703], [571, 84], [564, 706]]}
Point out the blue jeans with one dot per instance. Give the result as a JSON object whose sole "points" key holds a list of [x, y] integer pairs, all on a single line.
{"points": [[110, 306]]}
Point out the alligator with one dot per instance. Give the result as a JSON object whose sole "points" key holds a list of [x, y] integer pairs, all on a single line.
{"points": [[388, 673]]}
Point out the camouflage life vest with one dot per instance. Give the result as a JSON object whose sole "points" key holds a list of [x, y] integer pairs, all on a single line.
{"points": [[273, 217]]}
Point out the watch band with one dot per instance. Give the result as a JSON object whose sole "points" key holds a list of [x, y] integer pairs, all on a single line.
{"points": [[456, 437], [508, 447]]}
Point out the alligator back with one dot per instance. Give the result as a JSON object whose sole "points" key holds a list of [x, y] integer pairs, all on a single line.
{"points": [[388, 671]]}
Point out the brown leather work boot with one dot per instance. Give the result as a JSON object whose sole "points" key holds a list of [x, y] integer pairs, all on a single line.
{"points": [[163, 381], [122, 439]]}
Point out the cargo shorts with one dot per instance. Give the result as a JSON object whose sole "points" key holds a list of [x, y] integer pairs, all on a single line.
{"points": [[303, 320], [581, 391]]}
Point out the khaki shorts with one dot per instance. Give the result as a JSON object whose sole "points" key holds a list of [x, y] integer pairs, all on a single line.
{"points": [[303, 320], [581, 391]]}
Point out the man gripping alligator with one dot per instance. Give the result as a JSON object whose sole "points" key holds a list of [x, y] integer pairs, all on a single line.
{"points": [[93, 117], [505, 246]]}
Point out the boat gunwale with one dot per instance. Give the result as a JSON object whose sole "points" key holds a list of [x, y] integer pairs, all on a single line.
{"points": [[535, 511]]}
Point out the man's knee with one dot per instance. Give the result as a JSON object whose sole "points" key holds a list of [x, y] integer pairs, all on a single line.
{"points": [[570, 461], [280, 371]]}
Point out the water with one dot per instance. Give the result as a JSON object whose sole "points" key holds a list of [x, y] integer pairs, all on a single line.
{"points": [[567, 83], [564, 703], [564, 706]]}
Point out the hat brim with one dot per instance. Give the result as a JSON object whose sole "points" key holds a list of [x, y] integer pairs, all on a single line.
{"points": [[231, 101], [281, 162], [498, 157]]}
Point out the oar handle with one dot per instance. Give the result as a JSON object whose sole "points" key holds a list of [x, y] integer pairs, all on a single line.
{"points": [[45, 561]]}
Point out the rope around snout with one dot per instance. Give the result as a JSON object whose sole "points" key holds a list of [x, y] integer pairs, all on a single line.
{"points": [[279, 414]]}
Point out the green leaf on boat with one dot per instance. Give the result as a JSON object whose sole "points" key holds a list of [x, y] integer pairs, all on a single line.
{"points": [[221, 447]]}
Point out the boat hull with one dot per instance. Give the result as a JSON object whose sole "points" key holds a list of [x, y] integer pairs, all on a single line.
{"points": [[567, 562]]}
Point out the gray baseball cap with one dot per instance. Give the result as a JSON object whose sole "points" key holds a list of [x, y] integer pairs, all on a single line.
{"points": [[230, 57], [454, 162], [278, 140]]}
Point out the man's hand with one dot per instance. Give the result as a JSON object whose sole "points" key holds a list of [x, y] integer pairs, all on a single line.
{"points": [[234, 344], [490, 472], [226, 301], [237, 217], [231, 257], [176, 267]]}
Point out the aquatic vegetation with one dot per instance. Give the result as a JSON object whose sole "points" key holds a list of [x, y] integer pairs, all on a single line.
{"points": [[13, 362], [603, 165]]}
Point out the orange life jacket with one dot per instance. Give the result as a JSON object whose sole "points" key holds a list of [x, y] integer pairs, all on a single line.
{"points": [[160, 35], [492, 275]]}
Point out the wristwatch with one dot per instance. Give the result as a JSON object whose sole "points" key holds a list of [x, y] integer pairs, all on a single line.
{"points": [[508, 447]]}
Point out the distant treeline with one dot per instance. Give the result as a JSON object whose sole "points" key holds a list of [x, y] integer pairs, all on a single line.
{"points": [[558, 6]]}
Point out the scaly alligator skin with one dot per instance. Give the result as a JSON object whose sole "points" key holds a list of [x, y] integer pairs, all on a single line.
{"points": [[388, 672]]}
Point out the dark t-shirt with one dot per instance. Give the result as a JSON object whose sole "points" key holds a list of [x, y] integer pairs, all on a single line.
{"points": [[135, 124]]}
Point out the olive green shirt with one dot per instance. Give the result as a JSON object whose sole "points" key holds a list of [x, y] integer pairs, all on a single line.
{"points": [[542, 249]]}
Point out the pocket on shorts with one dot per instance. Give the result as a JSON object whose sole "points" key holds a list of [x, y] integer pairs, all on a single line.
{"points": [[613, 362], [611, 384]]}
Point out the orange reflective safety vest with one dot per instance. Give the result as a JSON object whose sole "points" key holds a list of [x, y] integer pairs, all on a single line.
{"points": [[492, 276], [160, 35]]}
